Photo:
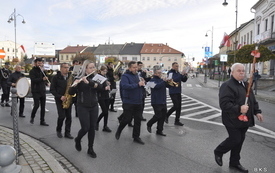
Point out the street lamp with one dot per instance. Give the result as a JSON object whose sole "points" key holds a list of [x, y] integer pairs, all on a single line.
{"points": [[211, 50], [13, 17], [236, 25]]}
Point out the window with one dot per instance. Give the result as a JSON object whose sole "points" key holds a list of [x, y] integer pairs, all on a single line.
{"points": [[61, 57], [251, 37], [175, 59], [8, 49], [134, 58], [266, 24], [258, 29], [67, 57], [244, 39], [247, 37], [169, 59], [160, 59], [155, 58], [143, 58], [124, 58], [148, 58], [272, 23]]}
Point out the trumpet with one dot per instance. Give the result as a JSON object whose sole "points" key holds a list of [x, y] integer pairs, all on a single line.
{"points": [[172, 83], [75, 84]]}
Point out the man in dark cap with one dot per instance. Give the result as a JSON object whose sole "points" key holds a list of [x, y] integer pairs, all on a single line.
{"points": [[4, 75]]}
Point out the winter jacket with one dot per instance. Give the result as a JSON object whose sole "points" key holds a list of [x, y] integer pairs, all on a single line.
{"points": [[102, 93], [38, 85], [232, 96], [130, 89], [178, 78], [14, 77], [158, 93], [59, 85]]}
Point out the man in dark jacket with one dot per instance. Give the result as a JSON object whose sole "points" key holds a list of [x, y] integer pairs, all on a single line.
{"points": [[13, 78], [232, 97], [58, 89], [38, 89], [175, 93], [111, 78], [4, 75], [158, 101], [131, 88]]}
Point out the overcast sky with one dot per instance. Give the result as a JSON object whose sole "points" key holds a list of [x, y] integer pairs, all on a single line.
{"points": [[182, 24]]}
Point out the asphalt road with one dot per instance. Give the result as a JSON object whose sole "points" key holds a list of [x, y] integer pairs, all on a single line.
{"points": [[187, 149]]}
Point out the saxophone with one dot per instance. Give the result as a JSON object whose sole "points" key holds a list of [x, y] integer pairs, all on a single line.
{"points": [[67, 103]]}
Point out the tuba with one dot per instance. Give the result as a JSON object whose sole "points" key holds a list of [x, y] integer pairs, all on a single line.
{"points": [[117, 70]]}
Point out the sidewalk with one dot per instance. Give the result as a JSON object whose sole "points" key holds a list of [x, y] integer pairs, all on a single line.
{"points": [[263, 95], [37, 157]]}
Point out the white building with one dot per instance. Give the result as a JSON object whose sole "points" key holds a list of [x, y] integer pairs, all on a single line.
{"points": [[9, 48]]}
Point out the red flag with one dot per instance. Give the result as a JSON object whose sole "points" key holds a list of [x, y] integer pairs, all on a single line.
{"points": [[23, 48], [224, 40], [256, 53], [239, 46]]}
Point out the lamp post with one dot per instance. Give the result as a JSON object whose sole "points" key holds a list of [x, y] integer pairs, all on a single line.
{"points": [[13, 17], [211, 50], [236, 25]]}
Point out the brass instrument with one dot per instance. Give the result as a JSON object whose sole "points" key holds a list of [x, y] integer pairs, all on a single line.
{"points": [[172, 83], [75, 84], [48, 72], [117, 70], [45, 75], [67, 103]]}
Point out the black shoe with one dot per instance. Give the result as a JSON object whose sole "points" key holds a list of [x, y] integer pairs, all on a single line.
{"points": [[166, 120], [218, 159], [3, 104], [149, 129], [143, 119], [31, 121], [22, 116], [68, 135], [130, 125], [139, 141], [59, 134], [238, 167], [44, 123], [161, 134], [7, 105], [77, 144], [112, 110], [106, 129], [178, 123], [91, 152], [117, 135], [96, 126]]}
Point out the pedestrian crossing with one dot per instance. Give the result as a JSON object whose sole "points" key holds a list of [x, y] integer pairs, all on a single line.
{"points": [[190, 109]]}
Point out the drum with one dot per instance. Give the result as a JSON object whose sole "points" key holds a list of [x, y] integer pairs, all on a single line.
{"points": [[23, 87]]}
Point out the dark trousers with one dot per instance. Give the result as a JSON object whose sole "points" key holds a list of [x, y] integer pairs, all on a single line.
{"points": [[6, 92], [104, 104], [233, 143], [39, 98], [112, 101], [176, 99], [159, 117], [130, 111], [87, 117], [21, 105], [63, 114]]}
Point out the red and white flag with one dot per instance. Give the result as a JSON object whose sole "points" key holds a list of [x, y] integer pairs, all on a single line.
{"points": [[225, 41], [22, 47], [256, 53]]}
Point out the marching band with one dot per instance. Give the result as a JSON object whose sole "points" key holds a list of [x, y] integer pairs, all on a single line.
{"points": [[93, 87]]}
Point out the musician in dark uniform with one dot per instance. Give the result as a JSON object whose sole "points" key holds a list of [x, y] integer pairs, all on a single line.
{"points": [[5, 73], [58, 88], [175, 93], [75, 62], [38, 89], [87, 105], [13, 78], [232, 98], [111, 78], [158, 101]]}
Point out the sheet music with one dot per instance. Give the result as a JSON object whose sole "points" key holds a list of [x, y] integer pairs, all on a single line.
{"points": [[76, 69], [100, 79], [150, 84], [186, 69]]}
